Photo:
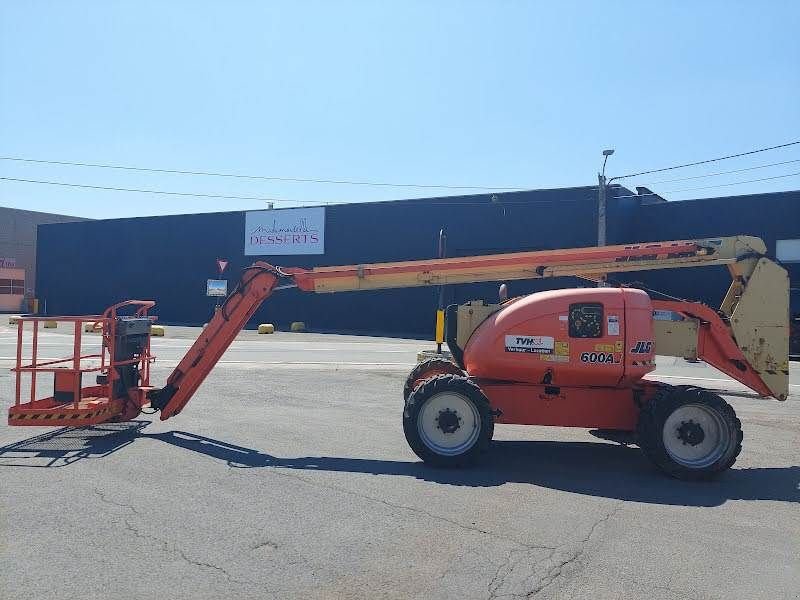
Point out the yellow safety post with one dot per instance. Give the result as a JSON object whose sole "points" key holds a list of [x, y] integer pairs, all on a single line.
{"points": [[157, 330], [439, 330], [266, 328]]}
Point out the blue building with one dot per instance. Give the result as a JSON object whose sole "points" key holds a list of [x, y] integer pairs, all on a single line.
{"points": [[83, 267]]}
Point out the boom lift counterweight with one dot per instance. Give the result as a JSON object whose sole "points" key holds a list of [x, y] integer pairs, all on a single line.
{"points": [[574, 357]]}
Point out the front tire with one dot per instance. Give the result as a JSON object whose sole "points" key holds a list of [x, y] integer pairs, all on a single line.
{"points": [[689, 433], [447, 421]]}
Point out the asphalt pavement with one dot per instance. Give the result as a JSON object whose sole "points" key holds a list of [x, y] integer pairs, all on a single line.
{"points": [[288, 476]]}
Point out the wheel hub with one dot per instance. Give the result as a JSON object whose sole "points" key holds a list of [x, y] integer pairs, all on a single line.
{"points": [[691, 433], [448, 421]]}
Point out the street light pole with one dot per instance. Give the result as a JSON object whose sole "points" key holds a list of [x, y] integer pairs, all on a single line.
{"points": [[601, 200]]}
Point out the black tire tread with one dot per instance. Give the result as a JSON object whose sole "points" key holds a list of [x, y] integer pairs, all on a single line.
{"points": [[431, 364], [650, 426]]}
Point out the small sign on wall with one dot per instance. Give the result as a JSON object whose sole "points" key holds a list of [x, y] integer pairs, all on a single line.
{"points": [[217, 287], [285, 231]]}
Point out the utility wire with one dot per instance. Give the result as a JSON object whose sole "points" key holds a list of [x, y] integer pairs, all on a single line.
{"points": [[144, 191], [272, 199], [775, 164], [708, 187], [499, 203], [395, 185], [703, 162], [259, 177]]}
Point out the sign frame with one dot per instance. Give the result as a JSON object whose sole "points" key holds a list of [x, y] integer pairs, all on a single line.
{"points": [[285, 232], [216, 288]]}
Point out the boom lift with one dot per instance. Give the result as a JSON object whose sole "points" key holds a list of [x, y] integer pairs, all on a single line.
{"points": [[570, 357]]}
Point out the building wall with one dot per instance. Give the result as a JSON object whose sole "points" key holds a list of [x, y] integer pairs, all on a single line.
{"points": [[83, 267], [86, 266], [768, 216], [12, 289], [18, 241]]}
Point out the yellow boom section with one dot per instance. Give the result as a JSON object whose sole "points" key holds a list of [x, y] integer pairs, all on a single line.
{"points": [[591, 262], [755, 309]]}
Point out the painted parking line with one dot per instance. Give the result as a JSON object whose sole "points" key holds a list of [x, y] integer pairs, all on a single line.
{"points": [[169, 363], [719, 379]]}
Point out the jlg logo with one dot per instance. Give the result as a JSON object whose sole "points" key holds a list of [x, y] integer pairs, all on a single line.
{"points": [[642, 348]]}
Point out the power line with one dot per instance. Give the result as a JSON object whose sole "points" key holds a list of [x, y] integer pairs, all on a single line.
{"points": [[269, 199], [775, 164], [703, 162], [708, 187], [145, 191], [719, 185], [259, 177]]}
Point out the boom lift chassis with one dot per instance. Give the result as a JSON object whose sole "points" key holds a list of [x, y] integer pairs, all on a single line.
{"points": [[746, 338]]}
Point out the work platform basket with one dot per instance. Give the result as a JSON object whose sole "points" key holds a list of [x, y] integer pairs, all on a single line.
{"points": [[116, 364]]}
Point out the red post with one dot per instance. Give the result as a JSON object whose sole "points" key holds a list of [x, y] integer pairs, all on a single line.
{"points": [[108, 328], [34, 352], [19, 360], [76, 362]]}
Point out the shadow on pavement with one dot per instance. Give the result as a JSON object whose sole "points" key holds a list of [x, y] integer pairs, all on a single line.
{"points": [[67, 445], [590, 468], [595, 469]]}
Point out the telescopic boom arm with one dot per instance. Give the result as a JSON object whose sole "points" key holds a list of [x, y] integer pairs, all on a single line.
{"points": [[744, 256]]}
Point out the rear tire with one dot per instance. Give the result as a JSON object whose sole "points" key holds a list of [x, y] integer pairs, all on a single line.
{"points": [[689, 433], [447, 421], [428, 369]]}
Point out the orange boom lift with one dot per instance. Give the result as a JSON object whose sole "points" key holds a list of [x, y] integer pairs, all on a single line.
{"points": [[571, 357]]}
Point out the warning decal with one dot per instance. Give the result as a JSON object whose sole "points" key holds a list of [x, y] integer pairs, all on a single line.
{"points": [[613, 325]]}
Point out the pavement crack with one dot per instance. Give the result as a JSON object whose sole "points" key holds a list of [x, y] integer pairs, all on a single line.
{"points": [[417, 510], [166, 547], [169, 548], [105, 499], [265, 544], [527, 571]]}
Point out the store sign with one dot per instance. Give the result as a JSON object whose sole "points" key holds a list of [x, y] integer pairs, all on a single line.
{"points": [[8, 263], [285, 231]]}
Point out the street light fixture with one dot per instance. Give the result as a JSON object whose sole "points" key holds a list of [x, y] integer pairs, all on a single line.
{"points": [[601, 200]]}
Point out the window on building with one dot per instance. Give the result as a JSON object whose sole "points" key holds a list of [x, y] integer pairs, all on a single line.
{"points": [[787, 250], [14, 287], [586, 320]]}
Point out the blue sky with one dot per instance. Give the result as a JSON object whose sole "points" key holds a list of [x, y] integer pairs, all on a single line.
{"points": [[518, 94]]}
